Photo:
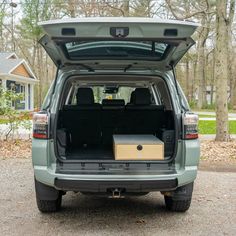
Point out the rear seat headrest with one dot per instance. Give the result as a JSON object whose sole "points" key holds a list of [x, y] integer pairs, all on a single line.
{"points": [[142, 96], [85, 96], [132, 97], [113, 102]]}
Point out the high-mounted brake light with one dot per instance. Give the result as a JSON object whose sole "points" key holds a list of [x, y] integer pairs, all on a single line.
{"points": [[40, 125], [190, 123]]}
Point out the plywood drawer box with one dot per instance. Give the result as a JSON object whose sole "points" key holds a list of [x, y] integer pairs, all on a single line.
{"points": [[138, 147]]}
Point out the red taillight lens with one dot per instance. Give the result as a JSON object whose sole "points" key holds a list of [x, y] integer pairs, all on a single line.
{"points": [[190, 123], [40, 125]]}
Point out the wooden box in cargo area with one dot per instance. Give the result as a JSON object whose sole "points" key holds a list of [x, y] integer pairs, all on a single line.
{"points": [[138, 147]]}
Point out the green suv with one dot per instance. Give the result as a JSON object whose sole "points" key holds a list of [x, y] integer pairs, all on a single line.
{"points": [[115, 76]]}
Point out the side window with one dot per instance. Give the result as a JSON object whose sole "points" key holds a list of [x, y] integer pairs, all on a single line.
{"points": [[47, 99], [183, 98], [73, 97], [163, 95], [155, 96]]}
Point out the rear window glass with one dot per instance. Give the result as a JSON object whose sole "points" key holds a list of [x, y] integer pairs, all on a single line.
{"points": [[121, 49], [123, 93], [100, 94]]}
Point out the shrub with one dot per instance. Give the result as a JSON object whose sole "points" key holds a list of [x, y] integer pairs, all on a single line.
{"points": [[12, 117]]}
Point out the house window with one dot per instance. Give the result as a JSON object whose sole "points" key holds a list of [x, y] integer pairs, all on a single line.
{"points": [[29, 97], [22, 90]]}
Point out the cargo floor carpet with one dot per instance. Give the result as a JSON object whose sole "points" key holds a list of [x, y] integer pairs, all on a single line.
{"points": [[91, 153]]}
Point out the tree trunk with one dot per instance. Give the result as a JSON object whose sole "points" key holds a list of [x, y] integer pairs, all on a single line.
{"points": [[126, 7], [221, 68], [71, 9], [200, 72], [213, 78], [188, 92], [233, 98], [231, 75], [194, 87]]}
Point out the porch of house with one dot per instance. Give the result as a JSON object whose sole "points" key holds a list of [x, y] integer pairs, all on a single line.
{"points": [[20, 85], [16, 75]]}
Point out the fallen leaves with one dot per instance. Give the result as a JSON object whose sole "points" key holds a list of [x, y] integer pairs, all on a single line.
{"points": [[213, 151], [15, 148]]}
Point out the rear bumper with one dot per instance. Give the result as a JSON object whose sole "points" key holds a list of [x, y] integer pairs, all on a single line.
{"points": [[45, 171], [104, 186], [134, 183]]}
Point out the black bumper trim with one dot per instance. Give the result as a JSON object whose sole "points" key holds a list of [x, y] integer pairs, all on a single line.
{"points": [[104, 186]]}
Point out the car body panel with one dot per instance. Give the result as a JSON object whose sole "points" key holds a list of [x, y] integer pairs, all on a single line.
{"points": [[186, 163], [139, 27]]}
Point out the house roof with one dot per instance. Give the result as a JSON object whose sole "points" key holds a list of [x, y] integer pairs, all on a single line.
{"points": [[6, 65], [7, 55], [9, 62]]}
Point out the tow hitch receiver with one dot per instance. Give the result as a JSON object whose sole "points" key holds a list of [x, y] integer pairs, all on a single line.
{"points": [[116, 193]]}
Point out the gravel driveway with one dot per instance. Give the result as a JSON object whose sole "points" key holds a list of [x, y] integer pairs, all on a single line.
{"points": [[213, 210]]}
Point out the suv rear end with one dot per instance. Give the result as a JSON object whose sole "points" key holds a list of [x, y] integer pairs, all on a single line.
{"points": [[115, 76]]}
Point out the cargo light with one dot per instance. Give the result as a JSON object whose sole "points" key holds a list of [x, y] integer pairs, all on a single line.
{"points": [[190, 126], [40, 125]]}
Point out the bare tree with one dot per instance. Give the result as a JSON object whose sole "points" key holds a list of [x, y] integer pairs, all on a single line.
{"points": [[221, 69], [231, 53], [2, 16], [201, 11]]}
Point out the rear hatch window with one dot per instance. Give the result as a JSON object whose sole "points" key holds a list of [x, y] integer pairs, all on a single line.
{"points": [[115, 49]]}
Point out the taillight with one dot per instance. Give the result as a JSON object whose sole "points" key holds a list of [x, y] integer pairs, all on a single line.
{"points": [[190, 123], [40, 125]]}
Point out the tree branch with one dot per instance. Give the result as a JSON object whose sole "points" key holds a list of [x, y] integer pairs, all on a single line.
{"points": [[182, 17], [18, 45], [231, 11], [115, 8]]}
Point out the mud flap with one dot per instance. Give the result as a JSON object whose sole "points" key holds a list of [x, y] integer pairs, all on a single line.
{"points": [[45, 192]]}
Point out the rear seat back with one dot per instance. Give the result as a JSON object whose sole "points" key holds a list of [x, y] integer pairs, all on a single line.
{"points": [[132, 97], [142, 116], [83, 121], [112, 118], [113, 104], [90, 123]]}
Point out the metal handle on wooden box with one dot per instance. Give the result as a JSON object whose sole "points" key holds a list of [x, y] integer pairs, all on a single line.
{"points": [[139, 147]]}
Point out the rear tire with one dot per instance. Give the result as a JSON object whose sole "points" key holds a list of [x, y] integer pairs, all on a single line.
{"points": [[46, 206], [180, 199], [48, 198], [177, 205]]}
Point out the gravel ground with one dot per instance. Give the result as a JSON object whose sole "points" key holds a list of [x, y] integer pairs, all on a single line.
{"points": [[213, 209]]}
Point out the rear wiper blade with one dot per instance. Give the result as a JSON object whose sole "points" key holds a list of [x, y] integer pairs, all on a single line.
{"points": [[127, 67]]}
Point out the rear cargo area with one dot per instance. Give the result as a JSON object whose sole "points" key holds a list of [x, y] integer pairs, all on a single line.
{"points": [[85, 130]]}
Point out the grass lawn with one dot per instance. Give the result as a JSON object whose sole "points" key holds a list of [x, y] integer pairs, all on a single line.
{"points": [[206, 116], [211, 110], [3, 121], [209, 127]]}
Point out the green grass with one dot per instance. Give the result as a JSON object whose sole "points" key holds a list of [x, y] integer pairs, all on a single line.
{"points": [[209, 127], [3, 121], [210, 110], [206, 116]]}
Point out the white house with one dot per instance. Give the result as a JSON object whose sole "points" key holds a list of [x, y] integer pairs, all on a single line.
{"points": [[15, 74]]}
